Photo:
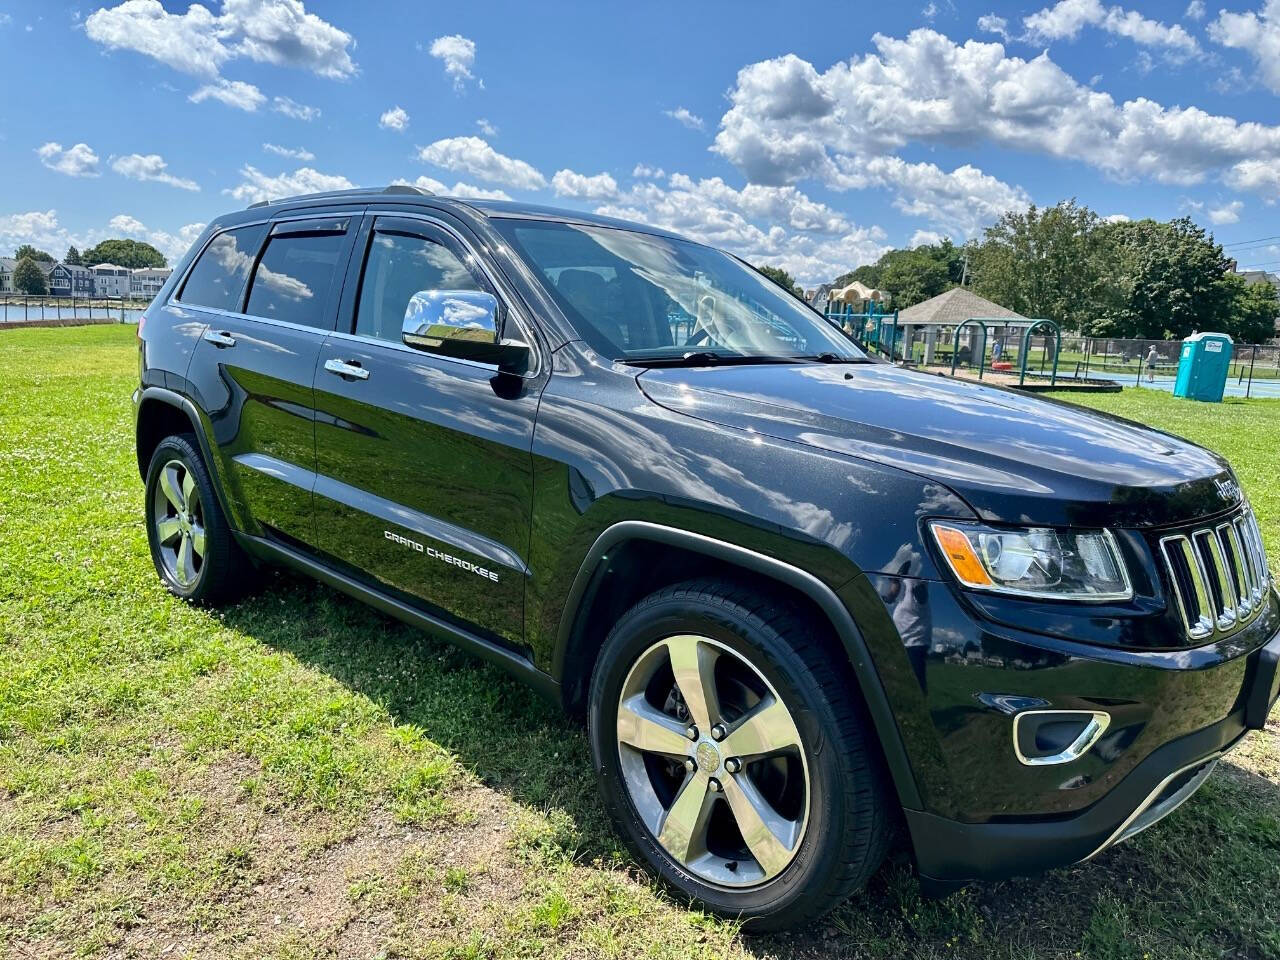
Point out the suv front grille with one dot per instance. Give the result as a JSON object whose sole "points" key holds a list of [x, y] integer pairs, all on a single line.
{"points": [[1218, 573]]}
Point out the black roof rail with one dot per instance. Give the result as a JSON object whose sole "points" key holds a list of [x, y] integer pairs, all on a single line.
{"points": [[353, 192]]}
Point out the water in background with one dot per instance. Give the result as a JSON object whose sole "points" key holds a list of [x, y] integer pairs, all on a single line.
{"points": [[11, 312]]}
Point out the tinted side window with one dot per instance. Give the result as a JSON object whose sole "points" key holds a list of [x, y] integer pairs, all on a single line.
{"points": [[217, 279], [398, 266], [293, 278]]}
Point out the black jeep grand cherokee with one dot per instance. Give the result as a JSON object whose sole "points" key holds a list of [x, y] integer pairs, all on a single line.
{"points": [[796, 592]]}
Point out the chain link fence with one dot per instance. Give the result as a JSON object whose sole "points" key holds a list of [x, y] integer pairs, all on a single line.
{"points": [[1255, 368]]}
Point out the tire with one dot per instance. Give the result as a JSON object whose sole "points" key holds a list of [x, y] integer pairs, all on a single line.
{"points": [[177, 476], [828, 837]]}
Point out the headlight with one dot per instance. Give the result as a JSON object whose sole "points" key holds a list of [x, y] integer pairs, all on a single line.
{"points": [[1036, 561]]}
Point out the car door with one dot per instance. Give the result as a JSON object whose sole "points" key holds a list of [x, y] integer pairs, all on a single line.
{"points": [[267, 293], [424, 471]]}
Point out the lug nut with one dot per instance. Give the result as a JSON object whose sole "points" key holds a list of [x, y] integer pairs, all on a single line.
{"points": [[713, 785], [733, 764], [690, 765], [718, 732], [691, 732]]}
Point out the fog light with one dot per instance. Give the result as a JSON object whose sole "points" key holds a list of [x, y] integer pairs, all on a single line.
{"points": [[1046, 737]]}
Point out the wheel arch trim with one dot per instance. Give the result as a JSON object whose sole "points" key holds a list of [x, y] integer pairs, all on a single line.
{"points": [[869, 685], [184, 404]]}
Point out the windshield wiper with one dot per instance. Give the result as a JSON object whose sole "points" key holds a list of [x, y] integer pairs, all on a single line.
{"points": [[829, 357], [703, 358]]}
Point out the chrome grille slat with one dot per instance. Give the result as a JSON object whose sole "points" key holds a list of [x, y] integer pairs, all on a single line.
{"points": [[1238, 562], [1217, 574]]}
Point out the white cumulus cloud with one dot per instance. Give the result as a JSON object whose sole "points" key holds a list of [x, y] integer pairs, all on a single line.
{"points": [[75, 161], [151, 166], [199, 42], [129, 226], [255, 185], [990, 23], [293, 153], [788, 122], [474, 156], [1227, 213], [685, 118], [567, 183], [37, 227], [458, 54], [233, 93], [1065, 20], [1258, 36], [466, 191], [291, 108], [397, 119]]}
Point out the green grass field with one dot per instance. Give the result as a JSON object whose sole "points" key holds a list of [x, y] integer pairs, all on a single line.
{"points": [[299, 777]]}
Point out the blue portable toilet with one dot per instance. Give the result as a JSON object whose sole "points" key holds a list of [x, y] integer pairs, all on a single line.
{"points": [[1203, 366]]}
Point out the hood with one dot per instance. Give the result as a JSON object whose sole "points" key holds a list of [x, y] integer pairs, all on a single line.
{"points": [[1015, 457]]}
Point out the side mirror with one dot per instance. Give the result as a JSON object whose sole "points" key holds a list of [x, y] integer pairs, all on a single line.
{"points": [[462, 324]]}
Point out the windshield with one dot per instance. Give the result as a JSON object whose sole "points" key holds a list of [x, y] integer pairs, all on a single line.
{"points": [[637, 297]]}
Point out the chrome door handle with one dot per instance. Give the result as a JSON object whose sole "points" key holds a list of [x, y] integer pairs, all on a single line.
{"points": [[220, 338], [347, 370]]}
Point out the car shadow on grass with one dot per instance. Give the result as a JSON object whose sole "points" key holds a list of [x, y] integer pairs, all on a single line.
{"points": [[1205, 882]]}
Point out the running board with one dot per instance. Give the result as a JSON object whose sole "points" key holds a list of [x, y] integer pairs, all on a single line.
{"points": [[518, 666]]}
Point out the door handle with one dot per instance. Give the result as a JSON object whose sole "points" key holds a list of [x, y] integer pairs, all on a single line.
{"points": [[348, 371], [220, 338]]}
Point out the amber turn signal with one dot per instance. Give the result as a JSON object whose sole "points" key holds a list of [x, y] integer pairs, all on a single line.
{"points": [[959, 553]]}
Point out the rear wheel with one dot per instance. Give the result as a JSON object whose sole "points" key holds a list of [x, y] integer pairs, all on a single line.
{"points": [[191, 544], [734, 757]]}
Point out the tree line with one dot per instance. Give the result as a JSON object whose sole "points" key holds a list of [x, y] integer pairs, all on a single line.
{"points": [[30, 278], [1141, 279]]}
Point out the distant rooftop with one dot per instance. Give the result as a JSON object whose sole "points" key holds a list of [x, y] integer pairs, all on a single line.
{"points": [[956, 306]]}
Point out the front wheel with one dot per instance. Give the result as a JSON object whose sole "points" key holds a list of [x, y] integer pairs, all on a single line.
{"points": [[734, 756]]}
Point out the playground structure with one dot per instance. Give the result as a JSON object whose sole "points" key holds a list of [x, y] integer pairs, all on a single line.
{"points": [[977, 339]]}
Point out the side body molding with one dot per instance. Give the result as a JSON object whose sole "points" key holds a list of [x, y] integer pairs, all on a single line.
{"points": [[850, 636]]}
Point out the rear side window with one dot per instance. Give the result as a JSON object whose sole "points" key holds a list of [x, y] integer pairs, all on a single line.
{"points": [[400, 265], [293, 278], [217, 279]]}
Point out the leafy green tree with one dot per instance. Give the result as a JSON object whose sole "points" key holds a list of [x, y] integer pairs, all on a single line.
{"points": [[1249, 309], [124, 253], [27, 250], [868, 273], [1051, 263], [72, 257], [29, 278], [910, 276], [1167, 281], [782, 279]]}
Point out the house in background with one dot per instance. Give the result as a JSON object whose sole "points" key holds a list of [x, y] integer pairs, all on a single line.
{"points": [[145, 282], [70, 280], [1259, 276], [8, 265], [110, 280]]}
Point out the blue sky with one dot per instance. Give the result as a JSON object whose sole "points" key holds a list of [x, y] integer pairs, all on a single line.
{"points": [[813, 136]]}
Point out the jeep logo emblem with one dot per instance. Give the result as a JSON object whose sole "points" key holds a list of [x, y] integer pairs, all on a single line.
{"points": [[708, 758], [1228, 490]]}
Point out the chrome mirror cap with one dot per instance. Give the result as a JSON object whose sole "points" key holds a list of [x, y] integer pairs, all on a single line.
{"points": [[433, 317]]}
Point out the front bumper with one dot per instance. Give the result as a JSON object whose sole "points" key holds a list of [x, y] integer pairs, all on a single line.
{"points": [[950, 851]]}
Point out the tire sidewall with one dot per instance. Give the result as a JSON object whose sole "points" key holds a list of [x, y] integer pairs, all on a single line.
{"points": [[819, 852], [179, 448]]}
